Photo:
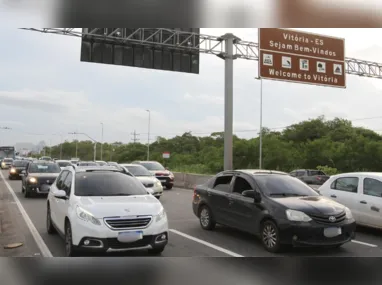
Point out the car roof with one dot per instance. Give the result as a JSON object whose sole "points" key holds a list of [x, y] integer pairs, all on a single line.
{"points": [[96, 168], [130, 164], [260, 171], [62, 160], [348, 174], [150, 161], [43, 162]]}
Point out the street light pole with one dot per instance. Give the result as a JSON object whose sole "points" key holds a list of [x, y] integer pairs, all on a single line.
{"points": [[148, 137], [102, 142], [261, 124], [95, 142]]}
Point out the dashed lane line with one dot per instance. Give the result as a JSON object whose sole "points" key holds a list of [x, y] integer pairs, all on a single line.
{"points": [[37, 237], [218, 248]]}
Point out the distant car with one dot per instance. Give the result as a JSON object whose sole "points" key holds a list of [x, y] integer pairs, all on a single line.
{"points": [[280, 209], [112, 163], [101, 209], [101, 163], [63, 163], [46, 158], [165, 176], [6, 163], [310, 176], [17, 167], [361, 192], [87, 163], [146, 177], [38, 177]]}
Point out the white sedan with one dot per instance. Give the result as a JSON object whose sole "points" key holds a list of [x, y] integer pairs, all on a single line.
{"points": [[361, 192], [146, 177], [103, 209]]}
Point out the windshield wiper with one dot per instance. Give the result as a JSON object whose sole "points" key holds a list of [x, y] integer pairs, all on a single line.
{"points": [[120, 194]]}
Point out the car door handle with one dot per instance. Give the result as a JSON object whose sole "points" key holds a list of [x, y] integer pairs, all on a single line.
{"points": [[374, 209], [333, 196], [363, 202]]}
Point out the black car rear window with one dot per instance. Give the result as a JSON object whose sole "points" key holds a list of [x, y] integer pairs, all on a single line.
{"points": [[283, 186], [20, 163], [44, 168], [107, 183]]}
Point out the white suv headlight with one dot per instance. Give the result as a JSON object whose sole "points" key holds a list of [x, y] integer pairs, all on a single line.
{"points": [[161, 215], [297, 216], [86, 216], [349, 215]]}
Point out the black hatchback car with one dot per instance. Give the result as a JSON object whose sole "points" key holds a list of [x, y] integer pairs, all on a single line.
{"points": [[280, 209], [16, 168], [38, 177]]}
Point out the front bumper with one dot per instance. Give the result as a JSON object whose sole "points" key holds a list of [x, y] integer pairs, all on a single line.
{"points": [[39, 188], [104, 239], [14, 175], [312, 233]]}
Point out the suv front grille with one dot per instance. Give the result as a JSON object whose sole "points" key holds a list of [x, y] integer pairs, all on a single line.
{"points": [[325, 219], [128, 223]]}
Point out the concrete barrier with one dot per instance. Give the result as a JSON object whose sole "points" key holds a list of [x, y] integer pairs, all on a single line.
{"points": [[190, 180]]}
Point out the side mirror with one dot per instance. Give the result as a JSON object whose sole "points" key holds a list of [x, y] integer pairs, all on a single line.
{"points": [[252, 194], [60, 194]]}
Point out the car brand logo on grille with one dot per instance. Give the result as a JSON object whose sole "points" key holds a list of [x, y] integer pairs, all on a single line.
{"points": [[332, 219]]}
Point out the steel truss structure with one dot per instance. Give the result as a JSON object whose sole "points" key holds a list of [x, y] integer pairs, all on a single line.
{"points": [[176, 39]]}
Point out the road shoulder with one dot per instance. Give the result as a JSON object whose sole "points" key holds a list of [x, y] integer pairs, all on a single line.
{"points": [[13, 228]]}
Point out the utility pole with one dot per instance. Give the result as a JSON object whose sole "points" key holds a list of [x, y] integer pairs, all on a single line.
{"points": [[61, 148], [135, 135], [148, 137], [102, 142], [228, 57]]}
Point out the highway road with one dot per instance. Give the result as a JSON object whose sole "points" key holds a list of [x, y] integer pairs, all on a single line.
{"points": [[187, 239]]}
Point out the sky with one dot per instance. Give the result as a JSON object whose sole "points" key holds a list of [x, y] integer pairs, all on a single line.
{"points": [[46, 92]]}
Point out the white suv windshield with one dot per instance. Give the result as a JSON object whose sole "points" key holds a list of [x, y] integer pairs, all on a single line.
{"points": [[104, 183], [153, 166]]}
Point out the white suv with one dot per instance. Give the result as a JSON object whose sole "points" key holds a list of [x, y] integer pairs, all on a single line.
{"points": [[103, 209]]}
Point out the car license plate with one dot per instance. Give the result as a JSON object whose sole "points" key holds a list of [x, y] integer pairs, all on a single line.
{"points": [[130, 236], [162, 180], [332, 232]]}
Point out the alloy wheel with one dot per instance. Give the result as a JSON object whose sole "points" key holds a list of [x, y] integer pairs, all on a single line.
{"points": [[269, 236], [205, 217]]}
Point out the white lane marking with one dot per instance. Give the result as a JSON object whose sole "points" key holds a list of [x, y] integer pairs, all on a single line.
{"points": [[364, 243], [37, 237], [218, 248]]}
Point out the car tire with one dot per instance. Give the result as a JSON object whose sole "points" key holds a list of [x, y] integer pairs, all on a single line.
{"points": [[70, 250], [206, 219], [27, 194], [169, 187], [156, 251], [270, 237], [49, 226]]}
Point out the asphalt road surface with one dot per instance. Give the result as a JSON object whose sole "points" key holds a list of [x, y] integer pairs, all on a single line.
{"points": [[187, 239]]}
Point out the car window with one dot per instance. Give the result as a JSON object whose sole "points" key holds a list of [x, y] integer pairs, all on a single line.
{"points": [[67, 184], [241, 184], [153, 166], [372, 187], [300, 173], [44, 168], [107, 183], [347, 184], [138, 170], [274, 185], [316, 172], [60, 180], [293, 173], [222, 183], [20, 163]]}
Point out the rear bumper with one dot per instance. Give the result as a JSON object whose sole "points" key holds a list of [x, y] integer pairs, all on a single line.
{"points": [[312, 234]]}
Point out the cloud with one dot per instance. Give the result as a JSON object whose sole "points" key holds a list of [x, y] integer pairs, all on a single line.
{"points": [[204, 99]]}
